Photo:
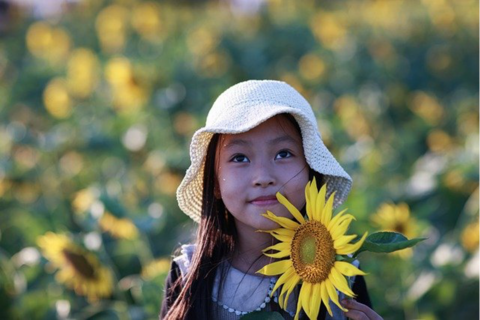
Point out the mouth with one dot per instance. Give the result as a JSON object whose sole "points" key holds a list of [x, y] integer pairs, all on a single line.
{"points": [[264, 201]]}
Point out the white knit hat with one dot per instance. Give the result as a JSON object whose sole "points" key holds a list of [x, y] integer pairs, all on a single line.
{"points": [[243, 107]]}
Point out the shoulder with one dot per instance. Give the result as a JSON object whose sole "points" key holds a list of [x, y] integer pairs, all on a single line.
{"points": [[183, 261]]}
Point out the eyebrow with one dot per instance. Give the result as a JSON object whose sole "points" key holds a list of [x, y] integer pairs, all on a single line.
{"points": [[242, 142]]}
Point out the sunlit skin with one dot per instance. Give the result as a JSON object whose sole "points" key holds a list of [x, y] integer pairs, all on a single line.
{"points": [[251, 168]]}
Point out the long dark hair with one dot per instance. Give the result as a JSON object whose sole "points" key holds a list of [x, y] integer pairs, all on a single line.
{"points": [[216, 242], [217, 232]]}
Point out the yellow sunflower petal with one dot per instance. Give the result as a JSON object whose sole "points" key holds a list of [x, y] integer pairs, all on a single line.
{"points": [[320, 204], [315, 300], [340, 282], [305, 295], [281, 237], [332, 293], [281, 246], [335, 219], [327, 210], [340, 221], [284, 222], [278, 255], [294, 211], [348, 269], [313, 198], [341, 229], [283, 232], [282, 280], [275, 268], [351, 248], [325, 297], [308, 202], [290, 285], [342, 240]]}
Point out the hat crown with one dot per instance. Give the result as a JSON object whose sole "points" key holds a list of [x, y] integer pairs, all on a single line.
{"points": [[251, 98]]}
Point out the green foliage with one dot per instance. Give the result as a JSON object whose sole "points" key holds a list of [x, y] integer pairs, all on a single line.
{"points": [[387, 242], [99, 102]]}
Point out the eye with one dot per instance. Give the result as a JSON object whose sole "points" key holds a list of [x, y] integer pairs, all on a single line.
{"points": [[239, 158], [283, 154]]}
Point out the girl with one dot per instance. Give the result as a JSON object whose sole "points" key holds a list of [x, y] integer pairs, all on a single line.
{"points": [[260, 138]]}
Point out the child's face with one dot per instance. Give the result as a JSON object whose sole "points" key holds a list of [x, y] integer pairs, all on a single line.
{"points": [[253, 166]]}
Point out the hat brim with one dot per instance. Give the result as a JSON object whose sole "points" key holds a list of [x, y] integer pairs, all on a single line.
{"points": [[318, 157]]}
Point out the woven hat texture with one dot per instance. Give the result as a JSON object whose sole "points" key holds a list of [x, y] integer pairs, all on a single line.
{"points": [[243, 107]]}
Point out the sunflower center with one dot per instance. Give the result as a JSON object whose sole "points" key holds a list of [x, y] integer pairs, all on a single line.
{"points": [[313, 254], [80, 264]]}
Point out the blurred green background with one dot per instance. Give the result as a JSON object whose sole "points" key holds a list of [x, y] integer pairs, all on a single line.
{"points": [[99, 100]]}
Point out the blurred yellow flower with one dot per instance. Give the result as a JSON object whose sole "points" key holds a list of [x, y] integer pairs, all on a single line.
{"points": [[146, 20], [213, 64], [118, 71], [82, 73], [118, 228], [56, 99], [311, 67], [202, 41], [470, 237], [83, 200], [5, 185], [439, 141], [155, 268], [168, 182], [26, 192], [26, 156], [79, 269], [426, 107], [352, 117], [397, 218], [128, 96], [46, 42], [111, 27], [71, 163], [185, 123], [329, 29]]}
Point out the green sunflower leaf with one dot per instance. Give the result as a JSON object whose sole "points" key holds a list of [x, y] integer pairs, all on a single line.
{"points": [[262, 315], [386, 242]]}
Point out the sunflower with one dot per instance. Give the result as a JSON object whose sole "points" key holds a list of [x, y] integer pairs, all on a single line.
{"points": [[397, 218], [155, 268], [470, 237], [80, 270], [314, 248], [120, 228]]}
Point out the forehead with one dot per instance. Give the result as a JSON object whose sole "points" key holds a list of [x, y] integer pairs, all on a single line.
{"points": [[276, 126]]}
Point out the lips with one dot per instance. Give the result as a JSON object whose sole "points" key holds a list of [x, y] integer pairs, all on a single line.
{"points": [[265, 200]]}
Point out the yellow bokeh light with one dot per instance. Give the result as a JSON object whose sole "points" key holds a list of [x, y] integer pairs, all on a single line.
{"points": [[185, 124], [311, 67], [202, 41], [121, 228], [439, 141], [168, 182], [352, 117], [146, 20], [111, 27], [47, 42], [470, 237], [56, 99], [83, 200], [118, 71], [329, 30], [427, 107], [82, 73]]}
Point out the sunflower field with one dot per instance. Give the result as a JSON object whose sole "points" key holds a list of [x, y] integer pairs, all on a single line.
{"points": [[99, 100]]}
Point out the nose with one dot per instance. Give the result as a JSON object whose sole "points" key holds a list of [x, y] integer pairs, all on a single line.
{"points": [[264, 175]]}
